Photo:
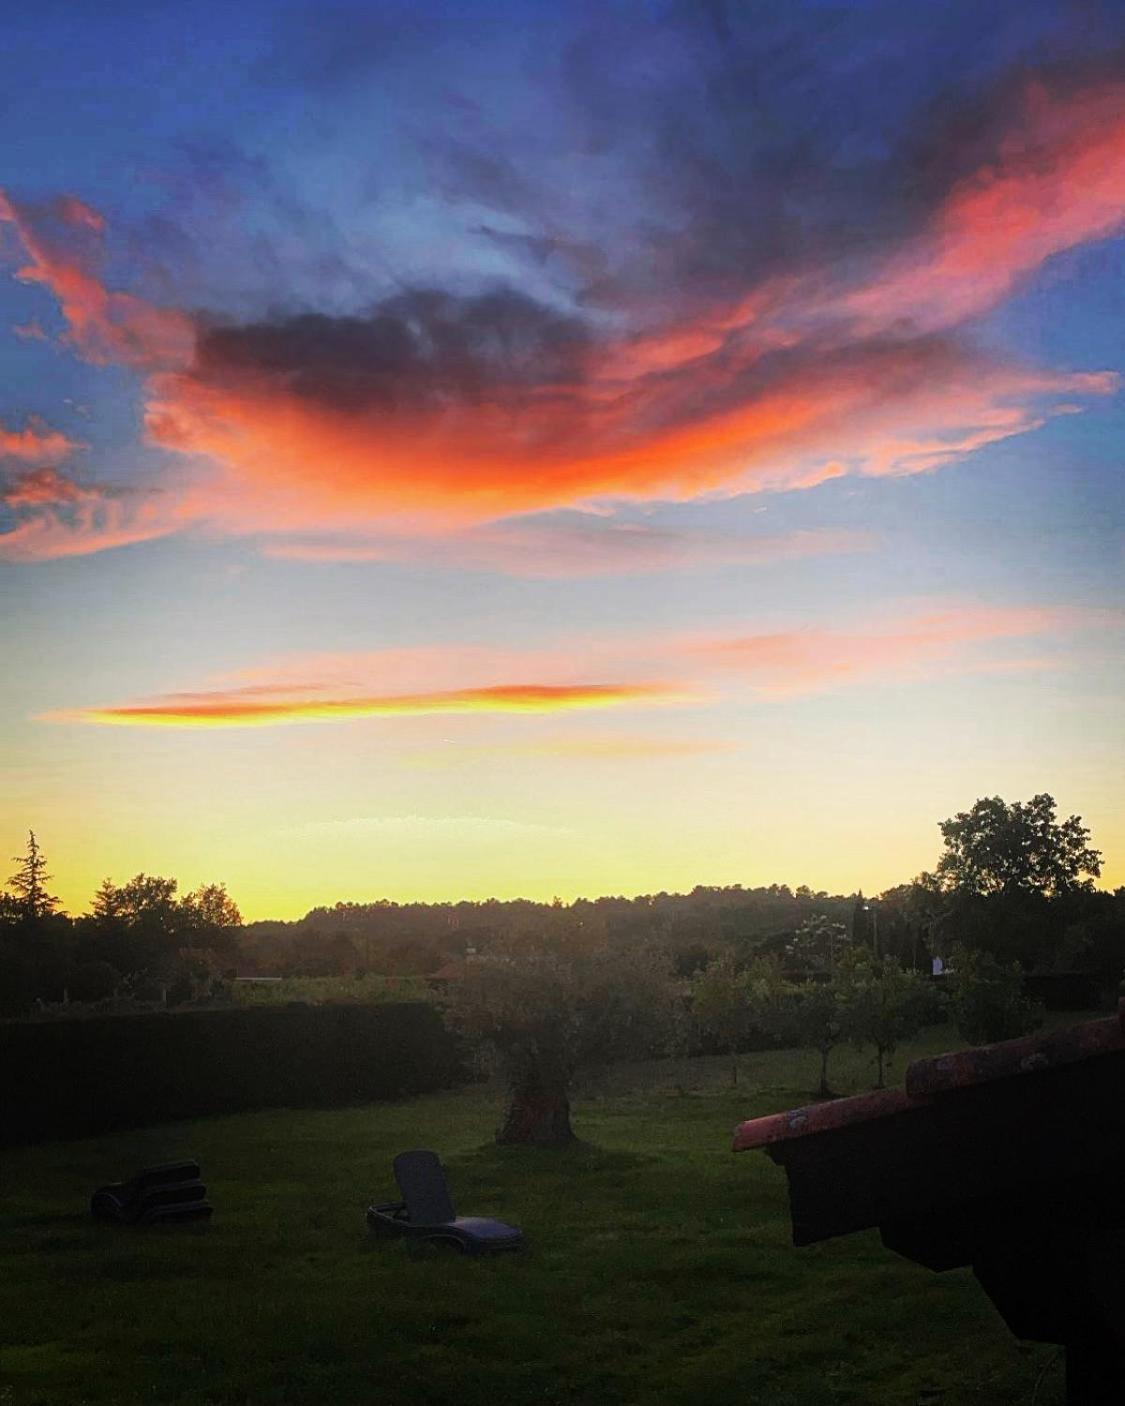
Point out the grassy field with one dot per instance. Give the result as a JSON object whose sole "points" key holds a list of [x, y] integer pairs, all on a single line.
{"points": [[659, 1268]]}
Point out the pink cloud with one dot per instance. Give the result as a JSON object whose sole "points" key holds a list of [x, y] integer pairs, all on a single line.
{"points": [[62, 241], [587, 547], [804, 661], [36, 443], [54, 516]]}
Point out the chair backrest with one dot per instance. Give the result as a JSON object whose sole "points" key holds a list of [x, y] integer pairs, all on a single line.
{"points": [[422, 1183], [166, 1172]]}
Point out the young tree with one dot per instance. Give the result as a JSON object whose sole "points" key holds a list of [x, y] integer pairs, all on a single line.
{"points": [[550, 1010], [818, 1021], [29, 882], [881, 1005], [1000, 849], [721, 1006]]}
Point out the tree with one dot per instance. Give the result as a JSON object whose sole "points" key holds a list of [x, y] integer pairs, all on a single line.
{"points": [[817, 945], [29, 882], [881, 1005], [212, 907], [721, 1006], [1019, 849], [548, 1010], [818, 1021], [861, 921]]}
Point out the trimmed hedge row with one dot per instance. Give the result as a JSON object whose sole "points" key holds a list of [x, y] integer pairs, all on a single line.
{"points": [[74, 1078]]}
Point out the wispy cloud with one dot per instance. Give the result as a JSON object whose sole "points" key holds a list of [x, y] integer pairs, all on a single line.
{"points": [[789, 663], [62, 240], [53, 516], [579, 545]]}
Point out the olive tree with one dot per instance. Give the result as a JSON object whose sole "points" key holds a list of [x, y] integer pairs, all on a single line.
{"points": [[549, 1009]]}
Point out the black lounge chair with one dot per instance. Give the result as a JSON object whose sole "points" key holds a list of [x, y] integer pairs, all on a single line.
{"points": [[169, 1192], [426, 1212]]}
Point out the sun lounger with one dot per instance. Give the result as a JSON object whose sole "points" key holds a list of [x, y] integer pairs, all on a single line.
{"points": [[426, 1211]]}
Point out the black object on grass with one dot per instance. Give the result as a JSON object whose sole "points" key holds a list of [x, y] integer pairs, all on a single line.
{"points": [[169, 1192], [426, 1211]]}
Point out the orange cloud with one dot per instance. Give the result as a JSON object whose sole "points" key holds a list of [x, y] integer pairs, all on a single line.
{"points": [[36, 443], [878, 408], [236, 709]]}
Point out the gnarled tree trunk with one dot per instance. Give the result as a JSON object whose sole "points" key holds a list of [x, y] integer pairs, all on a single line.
{"points": [[538, 1110]]}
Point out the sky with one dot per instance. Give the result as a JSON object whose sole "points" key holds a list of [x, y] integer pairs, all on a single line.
{"points": [[516, 449]]}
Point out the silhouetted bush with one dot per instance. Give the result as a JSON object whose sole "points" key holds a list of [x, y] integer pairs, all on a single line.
{"points": [[987, 1000], [73, 1078]]}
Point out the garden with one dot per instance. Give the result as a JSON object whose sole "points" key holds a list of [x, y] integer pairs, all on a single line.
{"points": [[658, 1269]]}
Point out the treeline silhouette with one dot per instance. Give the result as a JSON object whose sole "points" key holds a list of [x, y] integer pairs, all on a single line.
{"points": [[1012, 881]]}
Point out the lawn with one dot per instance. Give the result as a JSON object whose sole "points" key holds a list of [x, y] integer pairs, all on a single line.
{"points": [[659, 1268]]}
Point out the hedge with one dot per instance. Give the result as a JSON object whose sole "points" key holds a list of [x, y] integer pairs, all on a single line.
{"points": [[75, 1078]]}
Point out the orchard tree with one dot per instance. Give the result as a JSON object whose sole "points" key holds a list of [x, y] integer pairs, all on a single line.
{"points": [[819, 1017], [881, 1005], [549, 1009], [721, 1006], [1019, 849]]}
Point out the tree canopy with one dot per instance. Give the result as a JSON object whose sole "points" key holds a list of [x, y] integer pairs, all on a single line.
{"points": [[1022, 848]]}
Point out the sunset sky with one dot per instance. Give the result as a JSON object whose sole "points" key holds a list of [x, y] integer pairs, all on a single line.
{"points": [[452, 450]]}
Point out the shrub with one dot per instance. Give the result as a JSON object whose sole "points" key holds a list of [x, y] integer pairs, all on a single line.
{"points": [[987, 998]]}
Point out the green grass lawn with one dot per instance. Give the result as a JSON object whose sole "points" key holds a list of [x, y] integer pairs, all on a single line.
{"points": [[659, 1268]]}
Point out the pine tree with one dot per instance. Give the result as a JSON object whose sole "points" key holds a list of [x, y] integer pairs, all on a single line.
{"points": [[29, 882]]}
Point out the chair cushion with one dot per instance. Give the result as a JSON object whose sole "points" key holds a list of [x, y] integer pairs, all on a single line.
{"points": [[481, 1228]]}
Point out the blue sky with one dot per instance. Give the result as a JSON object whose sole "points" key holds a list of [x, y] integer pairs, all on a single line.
{"points": [[531, 449]]}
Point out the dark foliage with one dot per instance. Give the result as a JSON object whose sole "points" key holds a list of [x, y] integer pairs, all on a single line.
{"points": [[74, 1078]]}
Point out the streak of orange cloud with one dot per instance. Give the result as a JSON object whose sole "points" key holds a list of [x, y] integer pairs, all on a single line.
{"points": [[339, 687], [238, 710]]}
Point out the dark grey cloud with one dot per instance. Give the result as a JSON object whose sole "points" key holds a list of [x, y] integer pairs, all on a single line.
{"points": [[410, 351]]}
